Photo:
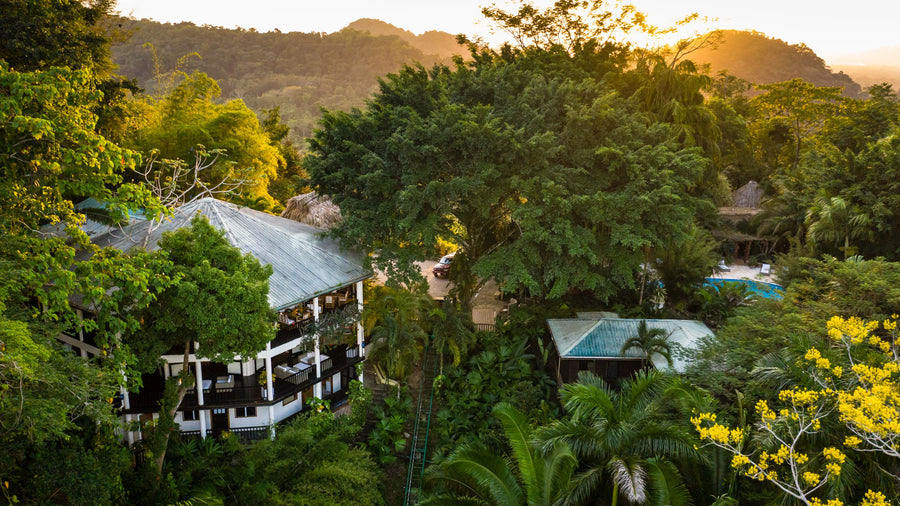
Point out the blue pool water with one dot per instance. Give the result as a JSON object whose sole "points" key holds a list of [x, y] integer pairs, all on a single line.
{"points": [[767, 290]]}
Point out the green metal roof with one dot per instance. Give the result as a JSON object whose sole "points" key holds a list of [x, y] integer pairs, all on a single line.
{"points": [[593, 338], [305, 264]]}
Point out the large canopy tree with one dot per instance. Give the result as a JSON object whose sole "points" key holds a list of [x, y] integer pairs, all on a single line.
{"points": [[544, 176]]}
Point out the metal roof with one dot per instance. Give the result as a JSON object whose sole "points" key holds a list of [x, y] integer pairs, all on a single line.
{"points": [[593, 338], [304, 263]]}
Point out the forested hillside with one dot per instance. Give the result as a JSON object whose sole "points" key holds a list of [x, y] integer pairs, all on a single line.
{"points": [[300, 72], [432, 42], [754, 57]]}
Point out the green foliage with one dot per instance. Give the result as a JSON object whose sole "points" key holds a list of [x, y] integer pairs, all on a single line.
{"points": [[308, 463], [299, 72], [84, 468], [613, 433], [228, 314], [396, 318], [682, 268], [187, 123], [716, 303], [649, 342], [438, 155], [451, 331], [36, 35], [503, 371], [540, 477], [386, 439]]}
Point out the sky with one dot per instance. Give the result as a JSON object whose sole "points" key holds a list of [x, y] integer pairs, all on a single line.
{"points": [[826, 26]]}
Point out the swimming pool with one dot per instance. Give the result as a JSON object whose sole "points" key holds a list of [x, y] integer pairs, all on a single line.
{"points": [[761, 288]]}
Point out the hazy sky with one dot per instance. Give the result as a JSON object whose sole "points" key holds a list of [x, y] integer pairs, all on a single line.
{"points": [[828, 29]]}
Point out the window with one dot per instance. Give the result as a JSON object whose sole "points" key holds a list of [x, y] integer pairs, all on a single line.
{"points": [[289, 400], [190, 415], [245, 412]]}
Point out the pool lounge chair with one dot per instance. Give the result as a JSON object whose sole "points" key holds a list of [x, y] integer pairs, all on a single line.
{"points": [[765, 270]]}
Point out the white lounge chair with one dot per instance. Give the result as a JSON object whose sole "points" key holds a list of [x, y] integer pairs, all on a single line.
{"points": [[723, 267], [765, 270]]}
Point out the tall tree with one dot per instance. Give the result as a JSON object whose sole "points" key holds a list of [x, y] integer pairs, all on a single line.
{"points": [[187, 123], [543, 176], [221, 303], [37, 35], [797, 106]]}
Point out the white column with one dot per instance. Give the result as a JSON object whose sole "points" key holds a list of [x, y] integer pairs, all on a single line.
{"points": [[199, 387], [270, 387], [360, 335], [360, 332], [317, 389], [271, 421]]}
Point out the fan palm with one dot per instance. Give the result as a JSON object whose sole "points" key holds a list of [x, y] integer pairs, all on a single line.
{"points": [[475, 475], [650, 341], [616, 434]]}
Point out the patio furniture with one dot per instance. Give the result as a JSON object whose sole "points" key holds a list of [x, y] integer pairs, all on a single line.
{"points": [[723, 267], [284, 371], [223, 382], [765, 270]]}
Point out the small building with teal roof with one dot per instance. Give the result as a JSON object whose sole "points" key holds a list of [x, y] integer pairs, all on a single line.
{"points": [[593, 342]]}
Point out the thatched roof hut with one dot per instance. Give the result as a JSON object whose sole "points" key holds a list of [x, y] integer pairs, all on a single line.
{"points": [[312, 209], [748, 195]]}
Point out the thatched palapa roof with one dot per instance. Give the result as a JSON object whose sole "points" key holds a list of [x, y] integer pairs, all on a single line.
{"points": [[312, 209]]}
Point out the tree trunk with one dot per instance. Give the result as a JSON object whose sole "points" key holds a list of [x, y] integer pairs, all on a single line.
{"points": [[169, 407], [615, 495]]}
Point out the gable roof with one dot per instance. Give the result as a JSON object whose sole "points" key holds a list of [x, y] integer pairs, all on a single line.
{"points": [[602, 338], [304, 263]]}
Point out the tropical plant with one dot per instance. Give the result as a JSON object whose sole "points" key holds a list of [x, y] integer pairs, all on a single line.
{"points": [[835, 221], [717, 302], [451, 330], [503, 371], [475, 475], [650, 341], [615, 434], [386, 439]]}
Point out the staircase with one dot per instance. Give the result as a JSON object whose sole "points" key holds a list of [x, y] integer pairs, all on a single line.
{"points": [[419, 447]]}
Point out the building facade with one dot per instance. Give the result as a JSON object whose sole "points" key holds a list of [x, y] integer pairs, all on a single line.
{"points": [[314, 281]]}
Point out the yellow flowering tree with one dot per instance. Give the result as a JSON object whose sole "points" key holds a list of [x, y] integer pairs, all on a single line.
{"points": [[865, 399]]}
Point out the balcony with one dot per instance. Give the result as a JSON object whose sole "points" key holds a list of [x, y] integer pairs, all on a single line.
{"points": [[246, 390]]}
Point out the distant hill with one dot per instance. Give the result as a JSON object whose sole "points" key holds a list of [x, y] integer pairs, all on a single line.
{"points": [[876, 66], [300, 72], [432, 42], [764, 60]]}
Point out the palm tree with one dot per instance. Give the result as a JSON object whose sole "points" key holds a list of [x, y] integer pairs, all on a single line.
{"points": [[394, 348], [650, 341], [616, 435], [451, 330], [475, 475], [395, 319], [834, 220]]}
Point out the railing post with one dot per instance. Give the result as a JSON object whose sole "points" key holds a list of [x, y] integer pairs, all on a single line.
{"points": [[317, 389], [200, 411], [360, 332]]}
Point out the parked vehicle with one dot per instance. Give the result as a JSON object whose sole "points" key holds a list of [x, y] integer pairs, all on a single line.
{"points": [[442, 268]]}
